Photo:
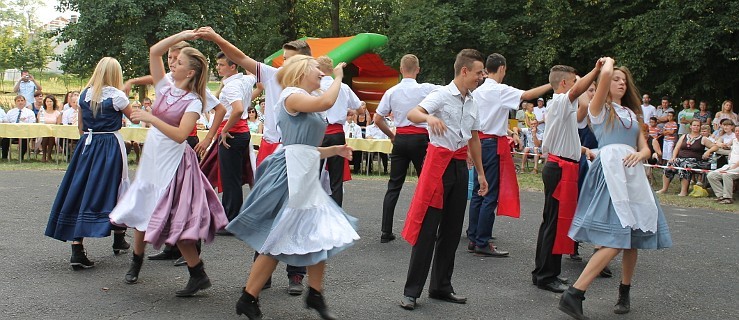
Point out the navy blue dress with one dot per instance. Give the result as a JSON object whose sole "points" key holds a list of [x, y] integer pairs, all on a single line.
{"points": [[89, 190]]}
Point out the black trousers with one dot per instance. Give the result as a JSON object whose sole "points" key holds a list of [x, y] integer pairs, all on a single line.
{"points": [[5, 144], [548, 265], [335, 167], [439, 236], [407, 149], [231, 162]]}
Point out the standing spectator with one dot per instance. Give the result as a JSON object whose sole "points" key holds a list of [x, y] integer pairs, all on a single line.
{"points": [[685, 116], [655, 132], [722, 180], [19, 114], [727, 112], [647, 109], [662, 110], [532, 138], [540, 112], [670, 133], [49, 115], [703, 114], [27, 86]]}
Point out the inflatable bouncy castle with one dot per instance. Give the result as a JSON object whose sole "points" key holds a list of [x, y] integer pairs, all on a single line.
{"points": [[366, 72]]}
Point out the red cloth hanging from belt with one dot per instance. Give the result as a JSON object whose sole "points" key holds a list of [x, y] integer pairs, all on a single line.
{"points": [[566, 194], [411, 130], [211, 168], [430, 188], [509, 199], [265, 149], [336, 128]]}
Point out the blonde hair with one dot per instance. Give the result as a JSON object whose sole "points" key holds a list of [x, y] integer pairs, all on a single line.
{"points": [[107, 73], [409, 63], [325, 63], [631, 98], [179, 46], [294, 70], [196, 61]]}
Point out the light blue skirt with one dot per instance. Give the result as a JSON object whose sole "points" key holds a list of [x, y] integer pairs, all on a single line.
{"points": [[596, 221]]}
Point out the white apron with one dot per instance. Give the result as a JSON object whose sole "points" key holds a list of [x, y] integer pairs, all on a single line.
{"points": [[159, 162], [125, 182]]}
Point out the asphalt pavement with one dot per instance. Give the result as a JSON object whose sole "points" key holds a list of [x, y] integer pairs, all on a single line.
{"points": [[696, 279]]}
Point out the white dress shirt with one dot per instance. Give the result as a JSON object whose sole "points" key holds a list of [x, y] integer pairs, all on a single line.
{"points": [[460, 117], [494, 101], [236, 87], [26, 116], [560, 137], [403, 97], [266, 75], [346, 100]]}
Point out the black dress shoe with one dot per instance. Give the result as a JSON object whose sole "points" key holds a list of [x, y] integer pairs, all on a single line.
{"points": [[554, 286], [408, 303], [387, 237], [490, 251], [180, 262], [470, 247], [449, 297], [169, 253]]}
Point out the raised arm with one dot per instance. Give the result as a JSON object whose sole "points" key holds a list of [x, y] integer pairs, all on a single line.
{"points": [[604, 80], [536, 92], [305, 103], [583, 83], [232, 52], [156, 65]]}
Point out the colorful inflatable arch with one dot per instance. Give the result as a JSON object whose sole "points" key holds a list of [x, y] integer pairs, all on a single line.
{"points": [[373, 77]]}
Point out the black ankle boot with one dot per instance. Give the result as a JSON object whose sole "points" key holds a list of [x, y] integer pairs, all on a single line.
{"points": [[571, 303], [119, 243], [314, 300], [133, 271], [248, 305], [198, 281], [79, 260], [624, 302]]}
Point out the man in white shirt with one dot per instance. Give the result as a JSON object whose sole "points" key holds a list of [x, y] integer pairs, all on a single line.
{"points": [[647, 109], [409, 139], [540, 111], [19, 114], [562, 146], [494, 101], [336, 118], [436, 215], [271, 136], [722, 180]]}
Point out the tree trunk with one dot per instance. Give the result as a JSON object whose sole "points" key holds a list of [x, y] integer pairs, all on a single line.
{"points": [[335, 18]]}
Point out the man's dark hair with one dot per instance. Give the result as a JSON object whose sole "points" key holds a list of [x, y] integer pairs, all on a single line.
{"points": [[300, 46], [666, 98], [494, 61], [221, 55], [653, 118], [466, 58]]}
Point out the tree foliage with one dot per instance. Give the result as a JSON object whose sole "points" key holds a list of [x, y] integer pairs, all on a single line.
{"points": [[674, 48], [23, 44]]}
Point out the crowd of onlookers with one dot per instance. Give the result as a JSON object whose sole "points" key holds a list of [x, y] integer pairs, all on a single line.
{"points": [[693, 138]]}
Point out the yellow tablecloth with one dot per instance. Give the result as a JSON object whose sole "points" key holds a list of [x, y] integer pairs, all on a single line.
{"points": [[36, 130]]}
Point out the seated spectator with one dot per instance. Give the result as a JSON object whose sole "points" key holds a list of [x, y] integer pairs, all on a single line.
{"points": [[351, 128], [725, 137], [49, 115], [19, 114], [70, 117], [722, 180], [134, 145], [689, 152], [706, 132], [531, 143], [373, 132]]}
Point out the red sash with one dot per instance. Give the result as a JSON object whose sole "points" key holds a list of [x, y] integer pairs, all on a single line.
{"points": [[411, 130], [566, 194], [212, 170], [430, 188], [240, 127], [509, 200], [266, 149], [194, 132], [336, 128]]}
